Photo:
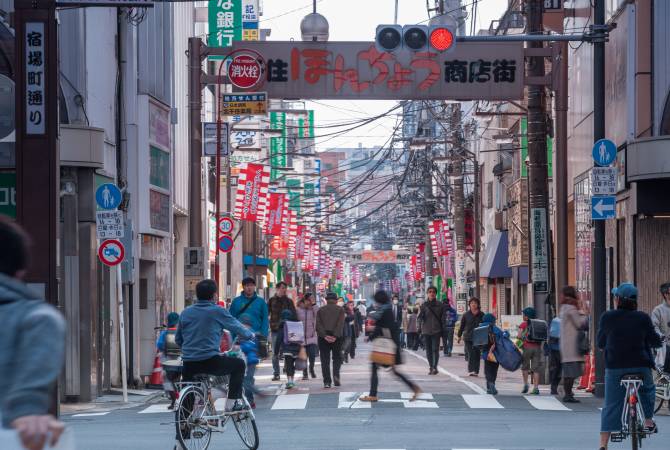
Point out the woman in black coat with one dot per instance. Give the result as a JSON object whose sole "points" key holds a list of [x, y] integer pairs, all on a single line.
{"points": [[384, 321]]}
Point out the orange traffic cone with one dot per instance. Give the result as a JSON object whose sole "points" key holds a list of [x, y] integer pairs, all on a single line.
{"points": [[157, 374], [584, 379], [592, 375]]}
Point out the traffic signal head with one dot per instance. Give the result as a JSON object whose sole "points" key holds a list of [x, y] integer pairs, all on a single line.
{"points": [[388, 38], [441, 38], [415, 37]]}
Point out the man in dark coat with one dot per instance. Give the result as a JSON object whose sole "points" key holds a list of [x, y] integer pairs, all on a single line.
{"points": [[431, 327], [278, 303], [471, 320]]}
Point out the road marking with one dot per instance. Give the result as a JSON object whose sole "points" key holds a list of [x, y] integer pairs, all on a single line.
{"points": [[294, 401], [154, 409], [91, 414], [350, 400], [483, 401], [470, 384], [546, 403], [422, 396]]}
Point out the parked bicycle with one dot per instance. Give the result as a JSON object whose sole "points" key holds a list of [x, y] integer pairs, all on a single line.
{"points": [[632, 416], [662, 382]]}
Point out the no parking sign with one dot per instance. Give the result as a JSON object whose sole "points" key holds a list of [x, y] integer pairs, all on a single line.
{"points": [[111, 252]]}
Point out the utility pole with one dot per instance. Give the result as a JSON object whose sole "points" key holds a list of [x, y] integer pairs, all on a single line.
{"points": [[599, 301], [195, 141], [561, 168], [537, 166], [457, 169]]}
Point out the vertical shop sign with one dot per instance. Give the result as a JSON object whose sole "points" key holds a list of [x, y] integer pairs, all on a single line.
{"points": [[225, 23], [250, 20], [277, 144], [35, 78]]}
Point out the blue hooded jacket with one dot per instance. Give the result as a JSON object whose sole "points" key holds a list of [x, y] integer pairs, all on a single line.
{"points": [[490, 319], [258, 311]]}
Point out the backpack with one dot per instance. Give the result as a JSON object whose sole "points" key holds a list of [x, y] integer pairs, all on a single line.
{"points": [[294, 333], [480, 336], [537, 331]]}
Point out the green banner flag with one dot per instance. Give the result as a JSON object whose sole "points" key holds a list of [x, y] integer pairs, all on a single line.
{"points": [[277, 144], [225, 23]]}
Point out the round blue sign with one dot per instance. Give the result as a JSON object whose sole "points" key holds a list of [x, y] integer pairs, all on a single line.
{"points": [[604, 152], [108, 196], [226, 244]]}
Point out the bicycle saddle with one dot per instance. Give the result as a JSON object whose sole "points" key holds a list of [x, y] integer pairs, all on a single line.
{"points": [[633, 376]]}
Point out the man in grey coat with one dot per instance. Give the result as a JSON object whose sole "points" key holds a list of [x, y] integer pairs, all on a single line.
{"points": [[33, 345]]}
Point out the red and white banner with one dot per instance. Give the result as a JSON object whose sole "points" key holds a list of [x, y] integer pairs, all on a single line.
{"points": [[339, 270], [252, 191], [274, 216], [439, 237], [300, 242], [420, 270], [279, 248]]}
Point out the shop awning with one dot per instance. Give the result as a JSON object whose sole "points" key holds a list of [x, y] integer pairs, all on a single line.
{"points": [[249, 260], [494, 263]]}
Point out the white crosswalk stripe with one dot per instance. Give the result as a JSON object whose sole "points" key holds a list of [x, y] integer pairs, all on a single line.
{"points": [[546, 403], [153, 409], [482, 401], [350, 400], [91, 414], [292, 401]]}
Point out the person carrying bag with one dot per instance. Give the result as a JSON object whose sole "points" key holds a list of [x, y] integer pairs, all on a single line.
{"points": [[386, 349]]}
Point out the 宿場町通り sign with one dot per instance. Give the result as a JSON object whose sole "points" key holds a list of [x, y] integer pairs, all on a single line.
{"points": [[357, 70]]}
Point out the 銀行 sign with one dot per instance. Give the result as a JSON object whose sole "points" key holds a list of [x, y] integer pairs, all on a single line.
{"points": [[357, 70]]}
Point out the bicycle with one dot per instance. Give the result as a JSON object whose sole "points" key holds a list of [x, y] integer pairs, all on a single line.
{"points": [[632, 416], [196, 417], [662, 382]]}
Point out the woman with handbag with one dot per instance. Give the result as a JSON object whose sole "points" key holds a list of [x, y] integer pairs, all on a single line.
{"points": [[574, 325], [386, 348], [307, 315]]}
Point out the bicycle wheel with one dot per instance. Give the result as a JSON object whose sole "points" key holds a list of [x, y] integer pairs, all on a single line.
{"points": [[245, 424], [658, 405], [633, 430], [193, 431]]}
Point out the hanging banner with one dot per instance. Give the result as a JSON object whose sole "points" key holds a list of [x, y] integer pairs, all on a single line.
{"points": [[277, 144], [252, 191], [294, 194], [420, 262], [469, 230], [279, 248], [274, 218]]}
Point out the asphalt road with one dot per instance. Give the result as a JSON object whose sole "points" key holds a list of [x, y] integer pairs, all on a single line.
{"points": [[452, 414]]}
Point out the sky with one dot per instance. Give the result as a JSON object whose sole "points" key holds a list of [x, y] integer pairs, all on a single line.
{"points": [[356, 20]]}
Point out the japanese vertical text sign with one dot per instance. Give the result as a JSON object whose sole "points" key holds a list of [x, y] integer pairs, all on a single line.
{"points": [[357, 70], [538, 245], [252, 191], [35, 78], [277, 144], [225, 23], [250, 30]]}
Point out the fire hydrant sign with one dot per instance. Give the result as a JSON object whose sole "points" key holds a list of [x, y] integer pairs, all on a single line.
{"points": [[109, 224], [111, 252], [225, 23]]}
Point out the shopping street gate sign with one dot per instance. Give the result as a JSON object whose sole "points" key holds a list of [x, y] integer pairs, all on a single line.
{"points": [[379, 257], [357, 70]]}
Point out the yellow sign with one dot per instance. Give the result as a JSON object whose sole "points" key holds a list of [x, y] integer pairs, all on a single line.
{"points": [[252, 103], [250, 35]]}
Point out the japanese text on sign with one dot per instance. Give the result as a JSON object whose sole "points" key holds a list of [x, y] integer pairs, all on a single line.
{"points": [[35, 78], [244, 104], [604, 180], [487, 71], [109, 224], [225, 23], [540, 259]]}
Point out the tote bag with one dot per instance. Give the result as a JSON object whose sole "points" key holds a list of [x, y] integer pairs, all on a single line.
{"points": [[294, 333], [383, 350]]}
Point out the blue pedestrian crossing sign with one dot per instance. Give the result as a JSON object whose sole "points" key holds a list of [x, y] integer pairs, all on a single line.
{"points": [[604, 152], [108, 196], [603, 207]]}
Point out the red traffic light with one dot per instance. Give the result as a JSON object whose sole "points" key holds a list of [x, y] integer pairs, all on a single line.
{"points": [[441, 39]]}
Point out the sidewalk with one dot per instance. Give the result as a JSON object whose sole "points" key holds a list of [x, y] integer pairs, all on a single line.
{"points": [[113, 401]]}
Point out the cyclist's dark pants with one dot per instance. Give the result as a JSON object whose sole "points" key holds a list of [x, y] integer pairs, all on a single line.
{"points": [[219, 365]]}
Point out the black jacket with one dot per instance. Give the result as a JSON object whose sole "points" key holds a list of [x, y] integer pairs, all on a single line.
{"points": [[627, 338], [431, 318], [384, 319], [469, 322]]}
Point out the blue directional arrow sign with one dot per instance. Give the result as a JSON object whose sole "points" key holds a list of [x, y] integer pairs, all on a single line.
{"points": [[603, 207], [108, 196]]}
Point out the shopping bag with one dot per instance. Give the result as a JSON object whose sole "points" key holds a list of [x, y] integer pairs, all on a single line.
{"points": [[294, 333], [507, 354], [301, 360]]}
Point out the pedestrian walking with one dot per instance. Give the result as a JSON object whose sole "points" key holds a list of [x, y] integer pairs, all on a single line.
{"points": [[33, 347], [660, 317], [397, 315], [553, 352], [347, 331], [431, 328], [250, 351], [277, 304], [387, 327], [357, 329], [329, 326], [533, 363], [471, 320], [307, 315], [491, 365], [288, 349], [403, 326], [412, 328], [449, 319], [573, 323], [170, 354]]}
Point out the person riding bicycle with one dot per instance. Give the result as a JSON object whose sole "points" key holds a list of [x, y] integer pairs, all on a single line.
{"points": [[627, 336], [170, 355], [660, 317], [199, 335]]}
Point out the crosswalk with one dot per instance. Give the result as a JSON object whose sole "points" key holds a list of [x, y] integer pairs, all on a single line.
{"points": [[350, 400]]}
